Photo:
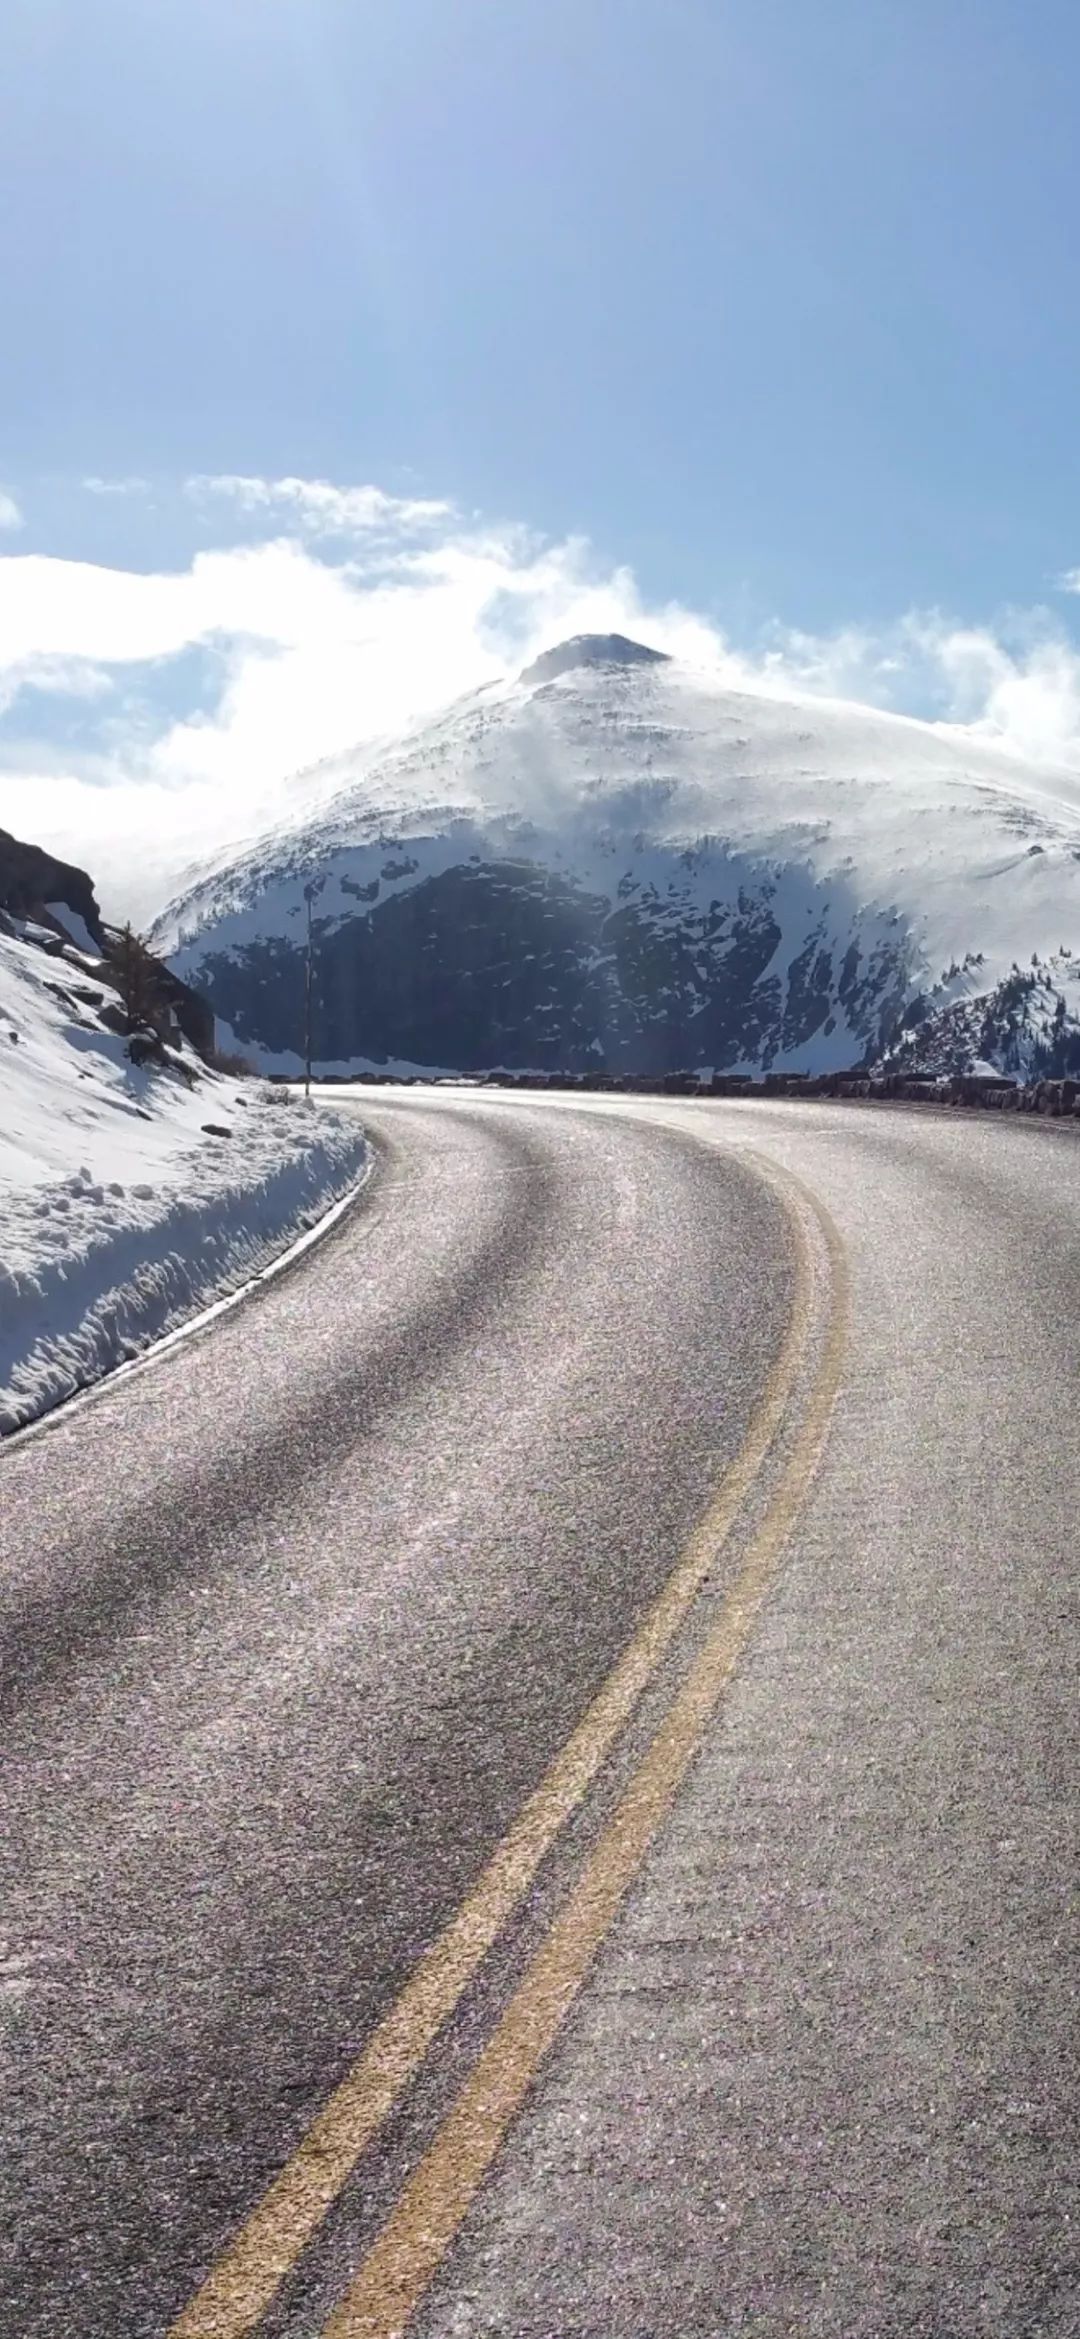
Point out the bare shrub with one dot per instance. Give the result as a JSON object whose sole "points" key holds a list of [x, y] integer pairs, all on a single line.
{"points": [[226, 1060]]}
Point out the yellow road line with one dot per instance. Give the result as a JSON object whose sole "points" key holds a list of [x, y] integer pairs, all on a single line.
{"points": [[246, 2278], [406, 2254]]}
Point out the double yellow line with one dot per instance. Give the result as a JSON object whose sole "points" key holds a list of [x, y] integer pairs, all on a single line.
{"points": [[401, 2262]]}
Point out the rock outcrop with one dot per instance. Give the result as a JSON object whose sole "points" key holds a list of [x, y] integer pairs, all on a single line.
{"points": [[56, 902]]}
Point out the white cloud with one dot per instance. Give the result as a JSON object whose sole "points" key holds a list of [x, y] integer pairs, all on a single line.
{"points": [[61, 677], [129, 486], [1029, 697], [315, 505], [304, 657], [10, 515], [81, 609]]}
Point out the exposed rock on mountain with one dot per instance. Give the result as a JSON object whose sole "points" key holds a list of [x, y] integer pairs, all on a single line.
{"points": [[56, 896], [591, 649], [1027, 1025]]}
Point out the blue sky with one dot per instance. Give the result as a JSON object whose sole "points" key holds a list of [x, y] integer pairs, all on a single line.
{"points": [[773, 301]]}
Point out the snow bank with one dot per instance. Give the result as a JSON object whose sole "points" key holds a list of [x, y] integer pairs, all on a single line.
{"points": [[131, 1198]]}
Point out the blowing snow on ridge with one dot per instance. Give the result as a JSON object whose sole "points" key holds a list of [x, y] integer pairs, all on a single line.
{"points": [[617, 862]]}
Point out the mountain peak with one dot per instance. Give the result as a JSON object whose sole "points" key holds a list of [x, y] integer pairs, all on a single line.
{"points": [[592, 649]]}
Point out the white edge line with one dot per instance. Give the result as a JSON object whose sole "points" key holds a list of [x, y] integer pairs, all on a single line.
{"points": [[156, 1349]]}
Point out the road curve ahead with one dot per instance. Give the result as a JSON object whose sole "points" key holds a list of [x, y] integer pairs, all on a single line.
{"points": [[539, 1755]]}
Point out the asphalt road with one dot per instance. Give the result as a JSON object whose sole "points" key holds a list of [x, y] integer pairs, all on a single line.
{"points": [[293, 1625]]}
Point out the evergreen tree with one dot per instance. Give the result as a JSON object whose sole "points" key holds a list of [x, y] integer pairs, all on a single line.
{"points": [[137, 978]]}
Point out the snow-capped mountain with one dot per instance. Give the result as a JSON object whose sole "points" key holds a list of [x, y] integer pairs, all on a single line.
{"points": [[616, 861]]}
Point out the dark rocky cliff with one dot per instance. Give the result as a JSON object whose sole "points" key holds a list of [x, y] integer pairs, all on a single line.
{"points": [[31, 879], [515, 964]]}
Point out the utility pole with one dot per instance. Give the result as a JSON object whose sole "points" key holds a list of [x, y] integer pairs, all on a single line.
{"points": [[310, 892]]}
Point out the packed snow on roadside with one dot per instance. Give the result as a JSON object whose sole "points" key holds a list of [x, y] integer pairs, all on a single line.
{"points": [[130, 1197]]}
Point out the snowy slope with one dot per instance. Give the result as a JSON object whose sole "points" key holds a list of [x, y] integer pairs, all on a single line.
{"points": [[617, 859], [120, 1211]]}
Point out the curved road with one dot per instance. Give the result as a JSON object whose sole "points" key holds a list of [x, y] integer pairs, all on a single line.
{"points": [[539, 1754]]}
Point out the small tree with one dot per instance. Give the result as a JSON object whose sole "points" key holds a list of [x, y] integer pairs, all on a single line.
{"points": [[137, 981]]}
